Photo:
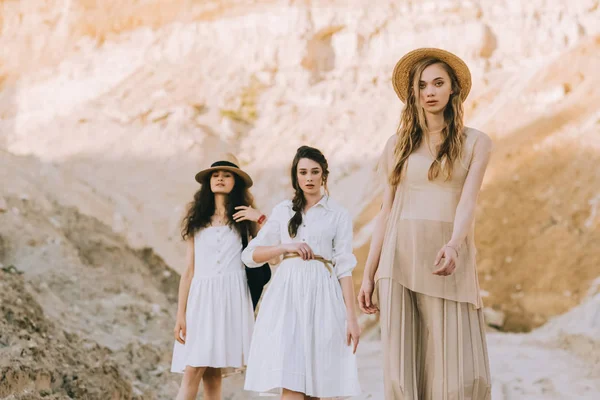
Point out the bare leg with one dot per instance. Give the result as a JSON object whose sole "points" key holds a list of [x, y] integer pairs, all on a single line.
{"points": [[289, 395], [310, 398], [190, 383], [212, 384]]}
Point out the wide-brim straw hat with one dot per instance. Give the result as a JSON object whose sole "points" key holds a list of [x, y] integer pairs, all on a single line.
{"points": [[225, 162], [400, 77]]}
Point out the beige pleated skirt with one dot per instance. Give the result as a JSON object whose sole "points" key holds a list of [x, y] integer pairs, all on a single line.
{"points": [[434, 349]]}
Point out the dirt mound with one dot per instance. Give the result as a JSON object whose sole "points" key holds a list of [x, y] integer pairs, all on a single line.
{"points": [[538, 216], [39, 360], [114, 305]]}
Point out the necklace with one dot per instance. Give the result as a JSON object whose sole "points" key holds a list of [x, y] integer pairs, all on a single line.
{"points": [[428, 143], [218, 220]]}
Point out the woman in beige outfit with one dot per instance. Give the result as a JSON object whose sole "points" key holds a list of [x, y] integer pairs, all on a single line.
{"points": [[420, 272]]}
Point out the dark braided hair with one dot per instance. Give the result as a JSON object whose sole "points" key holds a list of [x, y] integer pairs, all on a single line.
{"points": [[299, 201]]}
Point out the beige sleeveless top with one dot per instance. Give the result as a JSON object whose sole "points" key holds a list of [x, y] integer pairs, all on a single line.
{"points": [[421, 222]]}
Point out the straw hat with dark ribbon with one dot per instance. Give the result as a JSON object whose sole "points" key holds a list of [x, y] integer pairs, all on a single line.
{"points": [[226, 162]]}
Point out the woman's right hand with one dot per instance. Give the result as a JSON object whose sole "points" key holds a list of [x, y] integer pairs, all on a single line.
{"points": [[180, 330], [246, 213], [302, 249], [365, 297]]}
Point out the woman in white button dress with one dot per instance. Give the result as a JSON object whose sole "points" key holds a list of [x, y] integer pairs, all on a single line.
{"points": [[306, 332], [215, 317]]}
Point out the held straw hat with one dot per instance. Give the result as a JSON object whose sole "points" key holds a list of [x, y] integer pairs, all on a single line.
{"points": [[227, 162], [400, 77]]}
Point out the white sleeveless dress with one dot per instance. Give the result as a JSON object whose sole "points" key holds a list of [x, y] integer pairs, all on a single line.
{"points": [[219, 314]]}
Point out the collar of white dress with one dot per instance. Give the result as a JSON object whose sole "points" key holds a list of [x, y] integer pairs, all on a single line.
{"points": [[324, 202]]}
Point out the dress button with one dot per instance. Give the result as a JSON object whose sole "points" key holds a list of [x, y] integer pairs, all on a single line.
{"points": [[219, 262]]}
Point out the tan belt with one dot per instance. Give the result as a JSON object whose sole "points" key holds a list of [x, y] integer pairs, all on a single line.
{"points": [[326, 263]]}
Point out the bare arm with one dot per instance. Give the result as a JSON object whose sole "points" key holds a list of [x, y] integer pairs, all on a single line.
{"points": [[348, 292], [353, 330], [186, 278], [465, 211], [381, 220], [184, 289], [378, 234]]}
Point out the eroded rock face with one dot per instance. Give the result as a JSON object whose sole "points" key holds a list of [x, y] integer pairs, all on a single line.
{"points": [[121, 103], [108, 109]]}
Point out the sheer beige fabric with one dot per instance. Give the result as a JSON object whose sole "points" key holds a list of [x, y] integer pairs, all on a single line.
{"points": [[422, 220], [435, 349], [432, 327]]}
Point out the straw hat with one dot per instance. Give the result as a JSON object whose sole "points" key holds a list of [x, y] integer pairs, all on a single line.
{"points": [[227, 162], [403, 67]]}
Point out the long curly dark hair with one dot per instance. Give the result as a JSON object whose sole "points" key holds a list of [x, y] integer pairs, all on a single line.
{"points": [[299, 201], [202, 208]]}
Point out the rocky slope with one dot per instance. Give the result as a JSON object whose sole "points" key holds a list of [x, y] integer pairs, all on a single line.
{"points": [[107, 109], [84, 315]]}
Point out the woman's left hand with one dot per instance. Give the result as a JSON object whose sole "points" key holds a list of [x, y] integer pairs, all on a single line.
{"points": [[353, 333], [449, 255], [246, 213]]}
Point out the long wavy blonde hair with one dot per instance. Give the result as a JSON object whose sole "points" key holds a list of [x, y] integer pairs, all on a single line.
{"points": [[413, 124]]}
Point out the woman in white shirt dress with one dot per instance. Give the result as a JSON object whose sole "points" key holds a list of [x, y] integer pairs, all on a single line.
{"points": [[306, 332], [215, 317]]}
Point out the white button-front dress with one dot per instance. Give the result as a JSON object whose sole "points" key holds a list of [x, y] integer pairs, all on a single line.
{"points": [[299, 340], [219, 315]]}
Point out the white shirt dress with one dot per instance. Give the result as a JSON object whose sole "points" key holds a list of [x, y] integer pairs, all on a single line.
{"points": [[299, 340], [219, 315]]}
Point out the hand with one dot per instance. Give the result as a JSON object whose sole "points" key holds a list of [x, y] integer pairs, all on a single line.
{"points": [[180, 330], [246, 213], [302, 249], [365, 295], [352, 333], [449, 255]]}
